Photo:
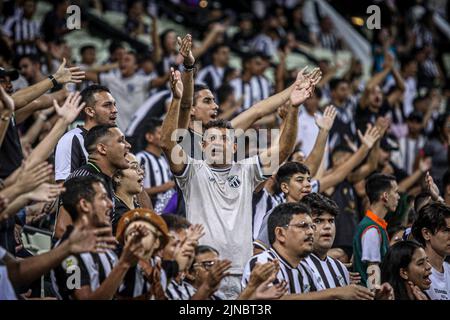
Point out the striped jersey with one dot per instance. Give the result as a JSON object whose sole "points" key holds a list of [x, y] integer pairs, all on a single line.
{"points": [[330, 272], [93, 269], [184, 291], [70, 153], [211, 76], [157, 172], [257, 89], [300, 278], [263, 202], [19, 29]]}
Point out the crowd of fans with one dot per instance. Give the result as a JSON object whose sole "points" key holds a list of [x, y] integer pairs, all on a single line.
{"points": [[143, 169]]}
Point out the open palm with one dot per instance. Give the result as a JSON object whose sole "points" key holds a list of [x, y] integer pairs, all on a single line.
{"points": [[301, 92], [326, 121], [71, 108]]}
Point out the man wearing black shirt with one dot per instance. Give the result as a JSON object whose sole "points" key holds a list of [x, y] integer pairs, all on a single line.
{"points": [[107, 149]]}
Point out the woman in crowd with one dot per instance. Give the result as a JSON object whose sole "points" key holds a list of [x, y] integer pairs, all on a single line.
{"points": [[407, 269]]}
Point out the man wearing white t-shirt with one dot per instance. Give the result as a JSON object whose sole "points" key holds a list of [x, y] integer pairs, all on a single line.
{"points": [[432, 230], [128, 87], [217, 190]]}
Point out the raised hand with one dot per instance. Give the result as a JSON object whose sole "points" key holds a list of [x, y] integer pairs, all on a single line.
{"points": [[71, 107], [133, 248], [176, 85], [82, 239], [355, 277], [65, 75], [382, 123], [195, 232], [370, 136], [186, 49], [301, 92], [416, 292], [260, 273], [217, 273], [326, 121], [432, 187], [46, 192], [8, 102], [269, 291], [29, 177], [384, 292], [315, 76]]}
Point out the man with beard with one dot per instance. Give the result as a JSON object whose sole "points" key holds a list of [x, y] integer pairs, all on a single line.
{"points": [[371, 242], [107, 150], [92, 276]]}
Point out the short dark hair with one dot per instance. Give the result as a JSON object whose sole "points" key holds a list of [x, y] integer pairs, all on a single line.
{"points": [[87, 47], [204, 249], [151, 125], [287, 170], [175, 222], [217, 47], [220, 123], [78, 188], [334, 83], [197, 88], [34, 58], [420, 200], [93, 135], [282, 215], [87, 94], [376, 184], [114, 46], [320, 204], [432, 217], [224, 92]]}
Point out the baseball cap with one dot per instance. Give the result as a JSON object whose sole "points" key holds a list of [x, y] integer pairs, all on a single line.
{"points": [[13, 74], [147, 215]]}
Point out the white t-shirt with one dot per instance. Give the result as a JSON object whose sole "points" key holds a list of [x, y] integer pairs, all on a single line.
{"points": [[6, 288], [221, 200], [440, 284], [371, 244], [130, 93]]}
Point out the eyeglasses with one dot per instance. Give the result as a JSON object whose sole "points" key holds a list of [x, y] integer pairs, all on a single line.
{"points": [[205, 264], [302, 225], [137, 167]]}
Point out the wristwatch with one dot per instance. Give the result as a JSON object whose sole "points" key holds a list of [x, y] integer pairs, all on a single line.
{"points": [[52, 78]]}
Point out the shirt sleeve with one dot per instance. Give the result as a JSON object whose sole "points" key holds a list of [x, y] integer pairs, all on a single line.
{"points": [[185, 177], [371, 243], [7, 27], [2, 253], [63, 158], [253, 165]]}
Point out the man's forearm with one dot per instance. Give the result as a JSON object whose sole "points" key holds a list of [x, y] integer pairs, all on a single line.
{"points": [[169, 125], [18, 203], [262, 108], [46, 146], [28, 270], [43, 102], [109, 287], [27, 95], [408, 182], [4, 124], [186, 99], [288, 135], [315, 157]]}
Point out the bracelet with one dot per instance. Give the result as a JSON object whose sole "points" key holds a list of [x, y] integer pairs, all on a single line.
{"points": [[188, 68], [52, 78]]}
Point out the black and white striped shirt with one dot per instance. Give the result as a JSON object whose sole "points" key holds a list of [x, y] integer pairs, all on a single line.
{"points": [[263, 202], [93, 269], [184, 291], [20, 29], [330, 273], [300, 279], [70, 153], [257, 89], [212, 76], [329, 41], [157, 172]]}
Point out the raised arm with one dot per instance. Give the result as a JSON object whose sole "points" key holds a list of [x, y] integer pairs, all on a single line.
{"points": [[209, 40], [270, 105], [43, 102], [340, 173], [284, 147], [174, 153], [187, 79], [6, 111], [68, 113], [324, 123], [157, 52], [63, 75]]}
